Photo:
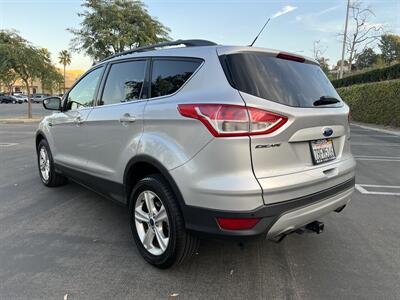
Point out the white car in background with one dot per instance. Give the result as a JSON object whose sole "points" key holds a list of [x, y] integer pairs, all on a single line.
{"points": [[21, 97], [38, 98]]}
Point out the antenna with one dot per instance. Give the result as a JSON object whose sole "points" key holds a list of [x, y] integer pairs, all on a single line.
{"points": [[251, 45]]}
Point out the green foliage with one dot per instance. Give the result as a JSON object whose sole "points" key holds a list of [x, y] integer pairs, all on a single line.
{"points": [[8, 77], [377, 103], [51, 79], [112, 26], [392, 72], [48, 74], [366, 58], [345, 63], [18, 55], [64, 58], [323, 62], [390, 47]]}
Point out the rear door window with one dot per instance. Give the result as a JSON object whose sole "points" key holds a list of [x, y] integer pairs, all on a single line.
{"points": [[168, 75], [280, 80]]}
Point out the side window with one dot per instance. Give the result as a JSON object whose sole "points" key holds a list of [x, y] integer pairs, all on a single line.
{"points": [[169, 75], [124, 82], [82, 94]]}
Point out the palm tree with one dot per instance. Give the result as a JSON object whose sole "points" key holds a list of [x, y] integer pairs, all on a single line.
{"points": [[64, 58]]}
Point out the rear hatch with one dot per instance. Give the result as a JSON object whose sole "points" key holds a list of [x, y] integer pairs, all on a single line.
{"points": [[310, 152]]}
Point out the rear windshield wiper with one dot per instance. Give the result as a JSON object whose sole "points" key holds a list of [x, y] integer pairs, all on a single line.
{"points": [[326, 100]]}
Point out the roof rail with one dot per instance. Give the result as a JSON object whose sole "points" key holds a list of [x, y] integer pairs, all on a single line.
{"points": [[187, 43]]}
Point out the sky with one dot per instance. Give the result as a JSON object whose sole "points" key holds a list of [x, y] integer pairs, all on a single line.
{"points": [[295, 25]]}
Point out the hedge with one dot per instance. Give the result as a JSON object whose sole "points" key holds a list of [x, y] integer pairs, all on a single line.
{"points": [[388, 73], [377, 103]]}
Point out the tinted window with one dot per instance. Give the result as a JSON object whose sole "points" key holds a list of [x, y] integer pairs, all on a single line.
{"points": [[124, 82], [169, 75], [280, 80], [82, 94]]}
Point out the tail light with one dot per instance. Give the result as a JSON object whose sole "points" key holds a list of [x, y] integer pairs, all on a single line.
{"points": [[224, 120], [237, 223]]}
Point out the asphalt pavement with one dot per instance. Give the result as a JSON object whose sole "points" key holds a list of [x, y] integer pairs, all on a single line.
{"points": [[71, 241], [21, 110]]}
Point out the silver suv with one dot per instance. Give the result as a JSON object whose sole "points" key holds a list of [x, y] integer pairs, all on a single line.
{"points": [[198, 139]]}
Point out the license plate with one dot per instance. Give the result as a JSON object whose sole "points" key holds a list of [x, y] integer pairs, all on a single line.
{"points": [[322, 151]]}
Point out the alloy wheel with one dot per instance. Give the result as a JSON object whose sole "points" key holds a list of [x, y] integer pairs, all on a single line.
{"points": [[152, 224], [44, 163]]}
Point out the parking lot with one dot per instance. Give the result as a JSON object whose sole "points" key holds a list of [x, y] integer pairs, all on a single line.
{"points": [[21, 110], [69, 240]]}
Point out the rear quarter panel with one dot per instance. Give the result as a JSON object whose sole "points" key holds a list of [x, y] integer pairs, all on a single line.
{"points": [[173, 139]]}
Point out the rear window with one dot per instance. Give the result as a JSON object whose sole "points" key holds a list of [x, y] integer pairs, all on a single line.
{"points": [[280, 80], [169, 75]]}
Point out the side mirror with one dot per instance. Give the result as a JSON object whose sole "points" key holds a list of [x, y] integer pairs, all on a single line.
{"points": [[52, 103]]}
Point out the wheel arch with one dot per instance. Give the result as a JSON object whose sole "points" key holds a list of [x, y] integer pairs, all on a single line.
{"points": [[39, 136], [146, 165]]}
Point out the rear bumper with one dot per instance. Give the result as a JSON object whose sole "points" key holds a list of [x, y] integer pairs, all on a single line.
{"points": [[276, 218]]}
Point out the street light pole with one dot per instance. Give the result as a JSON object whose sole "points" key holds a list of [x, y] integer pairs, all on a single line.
{"points": [[344, 39]]}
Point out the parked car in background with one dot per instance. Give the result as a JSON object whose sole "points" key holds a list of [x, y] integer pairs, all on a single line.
{"points": [[21, 98], [6, 99], [38, 98], [17, 99]]}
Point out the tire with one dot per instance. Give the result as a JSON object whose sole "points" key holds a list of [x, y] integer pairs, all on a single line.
{"points": [[181, 244], [53, 178], [13, 102]]}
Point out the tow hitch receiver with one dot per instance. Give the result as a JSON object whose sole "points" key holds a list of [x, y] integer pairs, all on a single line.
{"points": [[315, 226]]}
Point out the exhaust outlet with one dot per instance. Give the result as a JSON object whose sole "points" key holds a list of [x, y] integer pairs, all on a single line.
{"points": [[315, 226]]}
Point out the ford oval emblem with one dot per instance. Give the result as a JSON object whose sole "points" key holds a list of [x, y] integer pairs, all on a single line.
{"points": [[328, 132]]}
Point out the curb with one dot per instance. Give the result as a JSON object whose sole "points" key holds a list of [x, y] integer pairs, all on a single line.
{"points": [[16, 121]]}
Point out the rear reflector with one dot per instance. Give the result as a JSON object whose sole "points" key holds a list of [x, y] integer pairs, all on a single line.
{"points": [[291, 57], [224, 120], [236, 223]]}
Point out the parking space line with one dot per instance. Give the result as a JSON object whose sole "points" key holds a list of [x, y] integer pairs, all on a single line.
{"points": [[377, 144], [2, 145], [17, 132], [367, 128], [362, 189], [377, 158], [375, 135], [382, 186]]}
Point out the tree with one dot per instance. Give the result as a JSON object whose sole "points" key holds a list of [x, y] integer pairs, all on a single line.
{"points": [[52, 80], [8, 77], [64, 58], [366, 58], [323, 62], [25, 60], [364, 32], [112, 26], [390, 47], [45, 72]]}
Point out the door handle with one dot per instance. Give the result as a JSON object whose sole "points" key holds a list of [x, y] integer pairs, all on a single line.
{"points": [[127, 118]]}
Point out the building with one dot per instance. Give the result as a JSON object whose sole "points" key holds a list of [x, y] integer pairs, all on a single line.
{"points": [[36, 87]]}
